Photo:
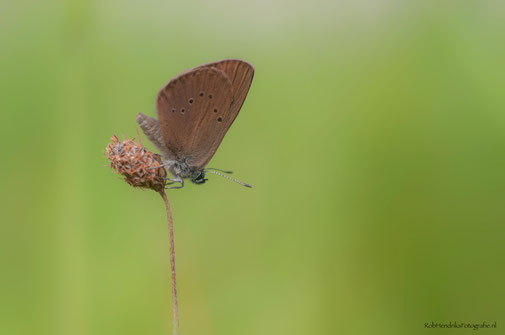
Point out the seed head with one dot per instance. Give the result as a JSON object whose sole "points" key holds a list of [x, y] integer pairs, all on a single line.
{"points": [[139, 166]]}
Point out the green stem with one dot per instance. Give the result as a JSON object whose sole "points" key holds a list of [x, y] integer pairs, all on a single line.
{"points": [[175, 308]]}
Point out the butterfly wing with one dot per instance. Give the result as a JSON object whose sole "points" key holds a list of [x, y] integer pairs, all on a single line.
{"points": [[151, 128], [240, 74], [195, 111]]}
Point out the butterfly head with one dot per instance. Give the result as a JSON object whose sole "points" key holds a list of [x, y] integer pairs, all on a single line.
{"points": [[198, 178]]}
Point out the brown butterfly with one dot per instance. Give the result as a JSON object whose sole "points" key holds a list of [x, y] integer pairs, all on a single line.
{"points": [[195, 110]]}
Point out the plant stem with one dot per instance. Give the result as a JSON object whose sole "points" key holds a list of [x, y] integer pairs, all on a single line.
{"points": [[175, 308]]}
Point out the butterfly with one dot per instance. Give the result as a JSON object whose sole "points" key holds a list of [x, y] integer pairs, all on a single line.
{"points": [[195, 109]]}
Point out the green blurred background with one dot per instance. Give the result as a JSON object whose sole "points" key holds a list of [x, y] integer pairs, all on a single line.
{"points": [[373, 134]]}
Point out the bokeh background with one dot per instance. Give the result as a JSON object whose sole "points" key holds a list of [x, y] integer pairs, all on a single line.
{"points": [[373, 134]]}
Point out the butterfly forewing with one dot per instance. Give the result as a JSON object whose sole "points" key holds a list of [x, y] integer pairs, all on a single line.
{"points": [[195, 111], [240, 74]]}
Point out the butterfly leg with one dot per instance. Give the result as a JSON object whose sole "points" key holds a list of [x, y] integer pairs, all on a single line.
{"points": [[173, 181], [156, 167], [170, 181]]}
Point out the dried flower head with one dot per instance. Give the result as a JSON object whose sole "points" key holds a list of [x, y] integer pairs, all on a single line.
{"points": [[139, 166]]}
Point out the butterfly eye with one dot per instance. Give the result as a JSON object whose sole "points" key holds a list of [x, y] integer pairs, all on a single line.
{"points": [[201, 94], [182, 110], [219, 119], [173, 110], [191, 100]]}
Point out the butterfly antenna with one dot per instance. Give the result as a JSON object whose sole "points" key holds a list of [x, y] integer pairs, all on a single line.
{"points": [[223, 171], [235, 180]]}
